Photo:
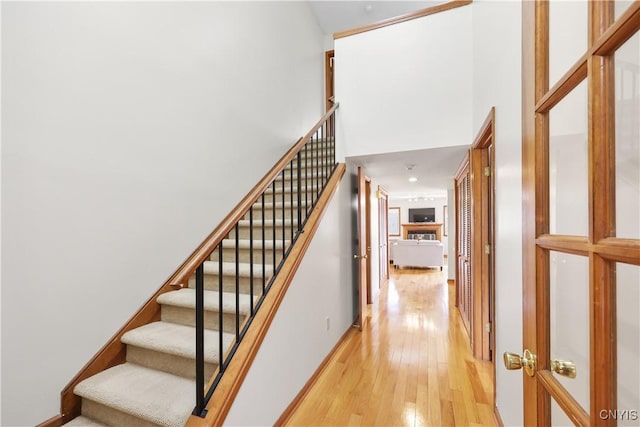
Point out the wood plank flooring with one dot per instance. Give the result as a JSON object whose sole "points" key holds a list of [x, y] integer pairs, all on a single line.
{"points": [[411, 365]]}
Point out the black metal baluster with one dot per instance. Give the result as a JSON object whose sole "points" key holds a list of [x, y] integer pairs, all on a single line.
{"points": [[313, 163], [264, 238], [306, 180], [199, 341], [273, 228], [284, 228], [299, 185], [291, 200], [325, 171], [238, 283], [251, 257], [221, 363]]}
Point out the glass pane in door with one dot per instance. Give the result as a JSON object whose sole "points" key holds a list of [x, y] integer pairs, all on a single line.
{"points": [[568, 165], [569, 312], [628, 343], [627, 109], [558, 417], [621, 6], [568, 32]]}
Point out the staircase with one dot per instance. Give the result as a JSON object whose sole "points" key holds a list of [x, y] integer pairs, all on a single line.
{"points": [[157, 383]]}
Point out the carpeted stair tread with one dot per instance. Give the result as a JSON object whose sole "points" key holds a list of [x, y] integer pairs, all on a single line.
{"points": [[257, 244], [175, 339], [82, 421], [154, 396], [244, 269], [186, 298], [268, 223]]}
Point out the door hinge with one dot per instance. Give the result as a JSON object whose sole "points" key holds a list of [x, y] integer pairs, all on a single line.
{"points": [[487, 249], [487, 171], [487, 327]]}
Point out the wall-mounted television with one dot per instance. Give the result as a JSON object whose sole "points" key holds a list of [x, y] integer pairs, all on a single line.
{"points": [[422, 215]]}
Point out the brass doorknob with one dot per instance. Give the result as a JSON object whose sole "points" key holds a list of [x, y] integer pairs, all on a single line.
{"points": [[514, 361], [565, 368], [360, 256]]}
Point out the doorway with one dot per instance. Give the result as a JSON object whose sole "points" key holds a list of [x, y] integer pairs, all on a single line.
{"points": [[383, 235]]}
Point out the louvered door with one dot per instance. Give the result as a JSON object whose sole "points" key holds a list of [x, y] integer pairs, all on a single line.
{"points": [[463, 244]]}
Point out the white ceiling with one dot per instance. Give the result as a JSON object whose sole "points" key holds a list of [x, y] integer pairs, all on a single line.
{"points": [[435, 169], [337, 15]]}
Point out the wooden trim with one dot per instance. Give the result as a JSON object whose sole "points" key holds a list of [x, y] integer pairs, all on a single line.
{"points": [[496, 415], [484, 137], [623, 29], [402, 18], [566, 84], [601, 176], [565, 400], [451, 281], [226, 391], [614, 249], [532, 12], [368, 251], [55, 421], [422, 226], [569, 244], [284, 417], [328, 78]]}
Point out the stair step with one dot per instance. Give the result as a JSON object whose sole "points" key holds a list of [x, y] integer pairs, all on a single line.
{"points": [[186, 298], [244, 269], [247, 248], [179, 307], [305, 175], [83, 421], [176, 340], [212, 280], [147, 394]]}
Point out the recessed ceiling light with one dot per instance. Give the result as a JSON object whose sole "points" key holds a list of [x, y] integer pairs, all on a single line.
{"points": [[413, 179]]}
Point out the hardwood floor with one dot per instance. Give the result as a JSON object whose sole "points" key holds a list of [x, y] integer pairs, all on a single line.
{"points": [[411, 365]]}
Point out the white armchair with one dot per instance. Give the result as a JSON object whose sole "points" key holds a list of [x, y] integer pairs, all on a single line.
{"points": [[417, 253]]}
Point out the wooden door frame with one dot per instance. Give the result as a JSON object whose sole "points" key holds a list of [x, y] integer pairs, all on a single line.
{"points": [[328, 78], [482, 234], [368, 236], [383, 234], [601, 246]]}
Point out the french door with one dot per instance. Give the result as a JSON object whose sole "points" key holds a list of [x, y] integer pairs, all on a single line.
{"points": [[581, 223]]}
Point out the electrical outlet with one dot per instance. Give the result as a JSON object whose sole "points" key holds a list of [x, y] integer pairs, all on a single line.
{"points": [[328, 319]]}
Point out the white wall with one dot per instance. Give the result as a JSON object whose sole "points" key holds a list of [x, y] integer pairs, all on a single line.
{"points": [[497, 82], [406, 86], [451, 197], [126, 139], [293, 350]]}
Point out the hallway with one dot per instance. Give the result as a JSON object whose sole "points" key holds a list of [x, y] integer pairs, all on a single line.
{"points": [[411, 366]]}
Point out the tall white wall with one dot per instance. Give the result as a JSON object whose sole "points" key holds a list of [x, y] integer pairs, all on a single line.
{"points": [[293, 349], [129, 131], [406, 86], [497, 82]]}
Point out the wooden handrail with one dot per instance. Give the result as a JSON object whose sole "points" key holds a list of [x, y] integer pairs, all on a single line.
{"points": [[402, 18], [181, 276]]}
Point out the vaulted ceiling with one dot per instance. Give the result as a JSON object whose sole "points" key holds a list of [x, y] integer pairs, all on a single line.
{"points": [[434, 168]]}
